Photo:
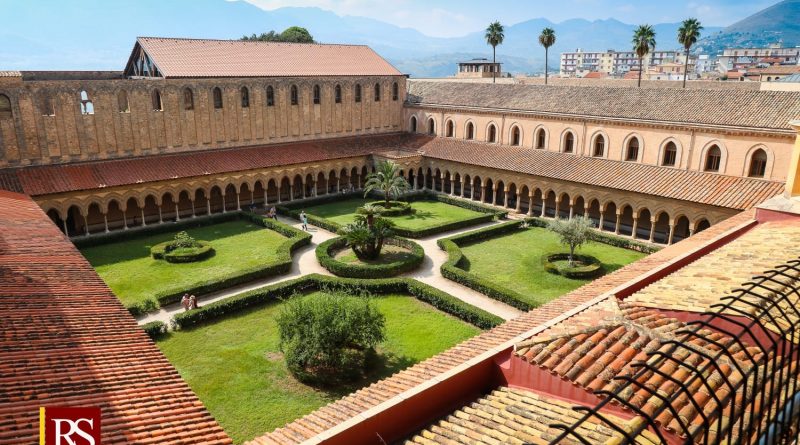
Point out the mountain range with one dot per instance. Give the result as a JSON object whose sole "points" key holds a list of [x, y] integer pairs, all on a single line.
{"points": [[75, 35]]}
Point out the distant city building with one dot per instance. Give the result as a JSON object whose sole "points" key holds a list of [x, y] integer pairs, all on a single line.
{"points": [[704, 64], [743, 58], [479, 68], [616, 63]]}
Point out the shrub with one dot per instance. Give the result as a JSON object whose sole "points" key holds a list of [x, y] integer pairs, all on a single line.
{"points": [[591, 268], [155, 329], [142, 307], [396, 208], [326, 251], [573, 233], [327, 339], [387, 180], [199, 250]]}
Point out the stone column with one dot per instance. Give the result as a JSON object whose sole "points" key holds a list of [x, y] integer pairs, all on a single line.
{"points": [[266, 196], [441, 184], [208, 205], [86, 225], [585, 210], [558, 202], [619, 221], [602, 220], [177, 213], [224, 205], [160, 219], [483, 193], [337, 185], [463, 185], [505, 198], [544, 206], [238, 203], [66, 230], [691, 231], [635, 223], [530, 203], [571, 209], [518, 208], [105, 222], [671, 232], [291, 192], [652, 229], [144, 223], [124, 220], [494, 194], [193, 213]]}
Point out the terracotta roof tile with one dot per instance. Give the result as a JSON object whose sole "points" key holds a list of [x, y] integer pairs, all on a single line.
{"points": [[736, 108], [237, 58], [700, 187], [67, 340]]}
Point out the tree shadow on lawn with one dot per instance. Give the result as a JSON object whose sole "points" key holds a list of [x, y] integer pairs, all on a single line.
{"points": [[379, 366], [417, 214]]}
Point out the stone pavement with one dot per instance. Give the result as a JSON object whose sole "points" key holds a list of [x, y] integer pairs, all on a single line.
{"points": [[304, 262]]}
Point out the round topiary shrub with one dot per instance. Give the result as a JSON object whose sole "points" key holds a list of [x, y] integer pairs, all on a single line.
{"points": [[396, 208], [585, 266], [380, 268], [182, 249]]}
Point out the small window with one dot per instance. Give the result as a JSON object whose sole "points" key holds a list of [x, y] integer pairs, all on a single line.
{"points": [[395, 91], [87, 107], [337, 93], [492, 134], [540, 138], [569, 143], [413, 124], [670, 154], [123, 106], [713, 159], [188, 99], [293, 94], [245, 93], [450, 130], [470, 131], [515, 139], [5, 106], [632, 152], [377, 92], [431, 127], [270, 96], [758, 164], [316, 95], [157, 104], [358, 93], [599, 146], [47, 106], [217, 98]]}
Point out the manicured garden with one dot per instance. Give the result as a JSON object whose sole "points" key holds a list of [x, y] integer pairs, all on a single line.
{"points": [[236, 367], [136, 277]]}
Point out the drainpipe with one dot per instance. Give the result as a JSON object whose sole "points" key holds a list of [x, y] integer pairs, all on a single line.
{"points": [[691, 151]]}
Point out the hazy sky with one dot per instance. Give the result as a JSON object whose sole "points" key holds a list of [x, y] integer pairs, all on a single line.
{"points": [[448, 18]]}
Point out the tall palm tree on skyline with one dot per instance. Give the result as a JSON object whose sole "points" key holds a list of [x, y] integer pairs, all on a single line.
{"points": [[547, 38], [644, 41], [688, 34], [494, 37]]}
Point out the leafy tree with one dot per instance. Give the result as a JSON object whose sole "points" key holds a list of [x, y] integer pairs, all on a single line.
{"points": [[644, 41], [688, 34], [366, 239], [386, 179], [494, 36], [547, 39], [573, 233], [328, 337], [294, 34]]}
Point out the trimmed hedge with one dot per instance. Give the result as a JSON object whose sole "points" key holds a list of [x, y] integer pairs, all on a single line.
{"points": [[396, 208], [155, 329], [592, 267], [142, 307], [605, 238], [184, 255], [309, 283], [451, 269], [326, 250]]}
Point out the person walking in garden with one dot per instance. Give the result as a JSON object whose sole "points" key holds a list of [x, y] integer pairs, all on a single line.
{"points": [[273, 213], [192, 302], [304, 220], [185, 302]]}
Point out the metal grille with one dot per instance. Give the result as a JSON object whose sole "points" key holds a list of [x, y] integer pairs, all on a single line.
{"points": [[749, 372]]}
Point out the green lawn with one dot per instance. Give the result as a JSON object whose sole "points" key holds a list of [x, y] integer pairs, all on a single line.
{"points": [[514, 261], [237, 370], [134, 276], [427, 213]]}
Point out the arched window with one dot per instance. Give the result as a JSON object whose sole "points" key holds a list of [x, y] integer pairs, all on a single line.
{"points": [[87, 107], [431, 127], [358, 93], [713, 159], [569, 143], [670, 154], [515, 136], [395, 91], [245, 93], [541, 137], [270, 96], [492, 134], [450, 129], [413, 124], [470, 131], [5, 106], [599, 146], [188, 99], [337, 94], [157, 104], [217, 98], [293, 94], [632, 151], [758, 164], [377, 92], [47, 106], [316, 95]]}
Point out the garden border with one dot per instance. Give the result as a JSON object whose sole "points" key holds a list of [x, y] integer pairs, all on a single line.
{"points": [[285, 289], [340, 269], [592, 269]]}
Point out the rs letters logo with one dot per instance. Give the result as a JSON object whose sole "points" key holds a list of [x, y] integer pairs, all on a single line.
{"points": [[69, 426]]}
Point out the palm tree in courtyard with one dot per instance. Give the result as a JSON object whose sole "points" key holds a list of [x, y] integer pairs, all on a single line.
{"points": [[387, 180], [547, 39], [644, 41], [494, 37], [688, 34]]}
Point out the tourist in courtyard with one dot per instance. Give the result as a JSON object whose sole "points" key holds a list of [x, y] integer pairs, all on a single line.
{"points": [[185, 302], [192, 302], [304, 220], [273, 213]]}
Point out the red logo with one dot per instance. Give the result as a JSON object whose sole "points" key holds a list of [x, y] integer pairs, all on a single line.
{"points": [[60, 425]]}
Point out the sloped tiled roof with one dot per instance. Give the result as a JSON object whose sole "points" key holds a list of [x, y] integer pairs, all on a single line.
{"points": [[781, 69], [237, 58], [734, 108], [700, 187], [67, 340], [518, 417]]}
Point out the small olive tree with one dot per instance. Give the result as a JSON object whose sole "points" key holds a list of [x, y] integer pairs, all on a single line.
{"points": [[327, 338], [573, 233]]}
